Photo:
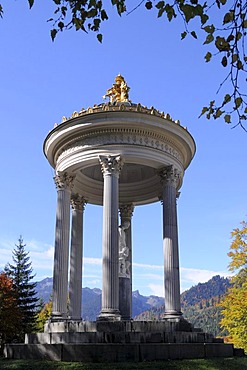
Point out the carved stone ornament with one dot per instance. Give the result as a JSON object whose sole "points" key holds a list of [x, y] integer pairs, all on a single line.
{"points": [[126, 211], [78, 202], [63, 180], [169, 176], [133, 136], [112, 164]]}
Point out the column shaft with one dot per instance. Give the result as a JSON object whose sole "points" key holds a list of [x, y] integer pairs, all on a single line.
{"points": [[170, 245], [76, 256], [61, 253], [111, 167]]}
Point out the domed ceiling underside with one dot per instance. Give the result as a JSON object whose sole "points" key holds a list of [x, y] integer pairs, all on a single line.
{"points": [[138, 184]]}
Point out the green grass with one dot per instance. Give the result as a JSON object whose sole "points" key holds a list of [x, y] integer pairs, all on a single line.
{"points": [[236, 363]]}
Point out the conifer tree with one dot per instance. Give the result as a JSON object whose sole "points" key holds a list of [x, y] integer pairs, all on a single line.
{"points": [[21, 274]]}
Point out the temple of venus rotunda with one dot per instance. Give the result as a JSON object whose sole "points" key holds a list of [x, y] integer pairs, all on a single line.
{"points": [[118, 155]]}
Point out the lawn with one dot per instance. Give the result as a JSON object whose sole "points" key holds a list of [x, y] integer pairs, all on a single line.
{"points": [[236, 363]]}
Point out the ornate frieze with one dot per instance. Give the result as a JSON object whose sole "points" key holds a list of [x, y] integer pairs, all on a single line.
{"points": [[169, 176], [111, 164], [78, 202], [123, 136], [63, 180]]}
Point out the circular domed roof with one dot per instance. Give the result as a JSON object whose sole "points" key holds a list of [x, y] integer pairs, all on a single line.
{"points": [[146, 139]]}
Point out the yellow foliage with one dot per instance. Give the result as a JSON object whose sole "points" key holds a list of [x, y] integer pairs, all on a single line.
{"points": [[234, 303], [43, 316]]}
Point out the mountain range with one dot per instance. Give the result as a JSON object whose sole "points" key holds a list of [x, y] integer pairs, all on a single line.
{"points": [[199, 303], [91, 300]]}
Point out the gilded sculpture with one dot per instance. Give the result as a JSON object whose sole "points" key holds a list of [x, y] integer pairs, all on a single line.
{"points": [[119, 92]]}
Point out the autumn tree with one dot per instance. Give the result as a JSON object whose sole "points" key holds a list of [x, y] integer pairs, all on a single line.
{"points": [[234, 303], [220, 25], [43, 315], [21, 274], [10, 317]]}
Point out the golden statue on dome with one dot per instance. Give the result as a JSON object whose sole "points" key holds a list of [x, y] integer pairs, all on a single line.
{"points": [[119, 92]]}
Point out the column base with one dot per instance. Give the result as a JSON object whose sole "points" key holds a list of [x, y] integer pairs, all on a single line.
{"points": [[109, 316], [58, 316], [174, 316]]}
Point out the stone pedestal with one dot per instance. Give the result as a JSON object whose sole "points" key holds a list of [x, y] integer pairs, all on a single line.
{"points": [[111, 167], [64, 184]]}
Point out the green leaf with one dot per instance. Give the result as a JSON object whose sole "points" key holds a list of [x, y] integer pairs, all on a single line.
{"points": [[53, 34], [99, 37], [193, 34], [208, 56], [218, 113], [149, 5], [103, 15], [61, 25], [238, 36], [209, 39], [228, 17], [227, 99], [238, 102], [183, 35], [204, 110], [188, 11], [239, 64], [170, 12], [227, 118], [244, 24], [160, 12], [160, 4], [209, 29], [234, 58], [224, 61], [223, 2], [31, 2]]}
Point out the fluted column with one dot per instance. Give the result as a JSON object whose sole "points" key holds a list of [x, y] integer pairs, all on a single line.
{"points": [[76, 255], [125, 277], [170, 177], [111, 167], [64, 184]]}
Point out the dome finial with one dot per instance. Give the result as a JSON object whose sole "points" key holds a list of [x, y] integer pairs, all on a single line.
{"points": [[119, 92]]}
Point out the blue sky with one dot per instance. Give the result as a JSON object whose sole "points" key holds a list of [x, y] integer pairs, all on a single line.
{"points": [[42, 81]]}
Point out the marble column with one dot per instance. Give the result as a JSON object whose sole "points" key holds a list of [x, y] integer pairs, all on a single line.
{"points": [[76, 256], [125, 272], [64, 184], [170, 177], [111, 167]]}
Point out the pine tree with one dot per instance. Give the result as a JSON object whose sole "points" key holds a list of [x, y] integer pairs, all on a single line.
{"points": [[21, 274]]}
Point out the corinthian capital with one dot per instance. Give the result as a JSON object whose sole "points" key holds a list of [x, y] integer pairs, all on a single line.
{"points": [[169, 176], [63, 180], [111, 164], [78, 202], [126, 210]]}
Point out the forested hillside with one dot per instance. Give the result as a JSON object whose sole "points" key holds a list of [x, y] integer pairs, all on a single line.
{"points": [[199, 306]]}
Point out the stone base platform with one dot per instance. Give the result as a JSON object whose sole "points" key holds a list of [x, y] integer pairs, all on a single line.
{"points": [[103, 341], [116, 352]]}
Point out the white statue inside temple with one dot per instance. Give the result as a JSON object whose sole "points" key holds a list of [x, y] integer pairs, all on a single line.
{"points": [[124, 263]]}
